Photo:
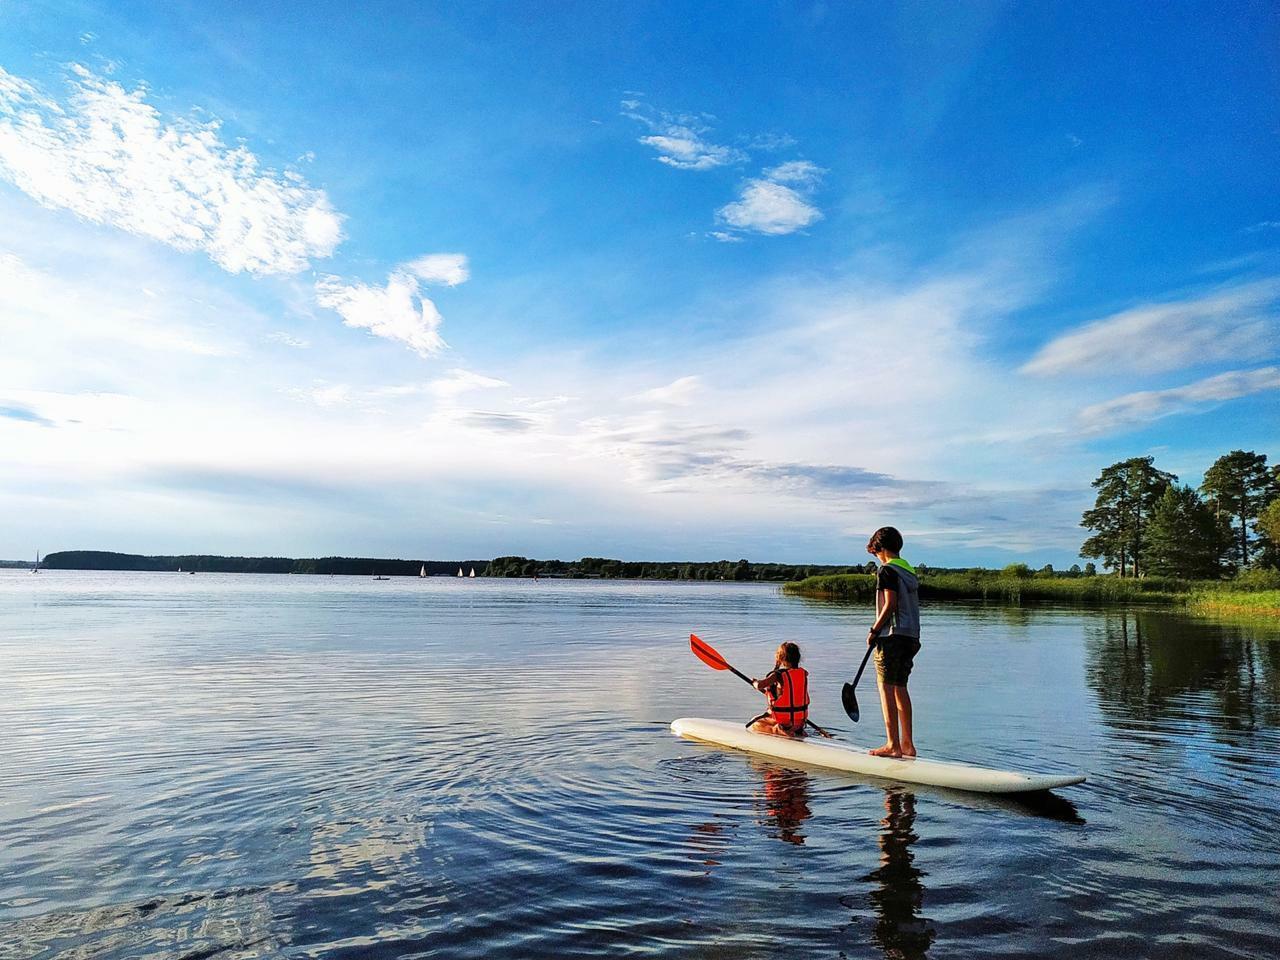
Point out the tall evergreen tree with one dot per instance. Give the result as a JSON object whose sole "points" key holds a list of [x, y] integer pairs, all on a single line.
{"points": [[1127, 494], [1183, 537], [1268, 525], [1237, 486]]}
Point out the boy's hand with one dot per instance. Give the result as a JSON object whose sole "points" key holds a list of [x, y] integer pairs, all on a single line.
{"points": [[871, 637]]}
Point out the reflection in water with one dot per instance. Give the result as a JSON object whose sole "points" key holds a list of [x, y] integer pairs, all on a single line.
{"points": [[786, 801], [900, 930], [706, 843], [1043, 803], [1145, 664]]}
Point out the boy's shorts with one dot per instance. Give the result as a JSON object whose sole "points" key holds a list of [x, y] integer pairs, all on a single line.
{"points": [[894, 659]]}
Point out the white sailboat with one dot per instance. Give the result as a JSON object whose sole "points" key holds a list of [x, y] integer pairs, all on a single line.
{"points": [[36, 568], [473, 571], [423, 571], [459, 571]]}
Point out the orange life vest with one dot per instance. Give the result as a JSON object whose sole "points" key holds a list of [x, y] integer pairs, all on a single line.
{"points": [[789, 698]]}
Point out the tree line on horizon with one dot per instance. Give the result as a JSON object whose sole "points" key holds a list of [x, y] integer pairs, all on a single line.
{"points": [[604, 568], [1145, 522], [209, 563]]}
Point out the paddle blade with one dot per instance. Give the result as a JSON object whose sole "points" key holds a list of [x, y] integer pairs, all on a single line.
{"points": [[707, 653], [850, 702]]}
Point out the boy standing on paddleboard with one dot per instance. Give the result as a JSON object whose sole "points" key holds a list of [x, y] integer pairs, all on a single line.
{"points": [[896, 637]]}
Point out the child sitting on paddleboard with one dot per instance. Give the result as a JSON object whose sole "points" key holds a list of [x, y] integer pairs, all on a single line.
{"points": [[896, 637], [787, 687]]}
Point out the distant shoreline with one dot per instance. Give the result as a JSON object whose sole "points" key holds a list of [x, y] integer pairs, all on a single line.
{"points": [[509, 567]]}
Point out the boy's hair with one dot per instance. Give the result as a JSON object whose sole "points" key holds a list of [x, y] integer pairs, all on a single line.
{"points": [[790, 653], [886, 538]]}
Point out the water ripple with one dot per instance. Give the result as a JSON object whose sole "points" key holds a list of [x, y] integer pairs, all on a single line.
{"points": [[221, 766]]}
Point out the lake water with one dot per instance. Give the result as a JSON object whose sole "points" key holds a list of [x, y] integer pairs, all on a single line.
{"points": [[255, 766]]}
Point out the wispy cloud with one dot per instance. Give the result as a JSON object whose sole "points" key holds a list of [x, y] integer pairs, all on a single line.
{"points": [[108, 156], [498, 422], [397, 311], [1233, 323], [459, 381], [446, 389], [25, 415], [678, 393], [38, 302], [447, 269], [288, 340], [775, 203], [681, 139], [1144, 406], [800, 172]]}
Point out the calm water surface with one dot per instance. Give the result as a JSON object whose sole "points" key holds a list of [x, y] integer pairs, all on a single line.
{"points": [[254, 766]]}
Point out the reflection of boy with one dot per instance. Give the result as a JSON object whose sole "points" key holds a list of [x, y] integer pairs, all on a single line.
{"points": [[896, 637]]}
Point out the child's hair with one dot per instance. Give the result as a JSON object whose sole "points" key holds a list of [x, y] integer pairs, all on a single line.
{"points": [[886, 538], [790, 653]]}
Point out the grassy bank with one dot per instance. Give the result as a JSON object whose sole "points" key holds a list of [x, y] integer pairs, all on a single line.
{"points": [[1235, 603], [1253, 594]]}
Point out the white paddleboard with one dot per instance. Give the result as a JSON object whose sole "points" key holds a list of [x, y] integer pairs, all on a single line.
{"points": [[842, 756]]}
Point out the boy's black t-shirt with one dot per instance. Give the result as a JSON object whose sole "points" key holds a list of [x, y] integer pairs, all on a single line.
{"points": [[887, 578]]}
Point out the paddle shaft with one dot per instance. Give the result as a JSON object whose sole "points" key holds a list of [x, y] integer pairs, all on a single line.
{"points": [[848, 693], [865, 657]]}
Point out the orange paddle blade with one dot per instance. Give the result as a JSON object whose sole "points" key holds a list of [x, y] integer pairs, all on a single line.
{"points": [[707, 653]]}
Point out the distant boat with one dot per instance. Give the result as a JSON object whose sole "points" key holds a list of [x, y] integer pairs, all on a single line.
{"points": [[473, 571], [36, 568], [459, 571], [381, 578], [423, 571]]}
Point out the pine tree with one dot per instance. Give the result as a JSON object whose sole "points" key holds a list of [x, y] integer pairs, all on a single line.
{"points": [[1237, 486], [1183, 538], [1127, 493]]}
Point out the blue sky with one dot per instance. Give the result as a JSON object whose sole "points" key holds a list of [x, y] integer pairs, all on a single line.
{"points": [[639, 280]]}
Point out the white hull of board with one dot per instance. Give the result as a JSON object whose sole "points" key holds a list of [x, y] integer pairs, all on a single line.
{"points": [[842, 756]]}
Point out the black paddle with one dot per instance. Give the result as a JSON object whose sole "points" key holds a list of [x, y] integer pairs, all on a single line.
{"points": [[847, 696], [711, 657]]}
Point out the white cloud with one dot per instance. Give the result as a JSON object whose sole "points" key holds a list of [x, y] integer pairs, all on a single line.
{"points": [[108, 156], [459, 381], [774, 203], [1235, 323], [679, 138], [769, 208], [449, 269], [288, 340], [330, 395], [685, 150], [36, 303], [678, 393], [772, 141], [795, 171], [397, 311], [1144, 406]]}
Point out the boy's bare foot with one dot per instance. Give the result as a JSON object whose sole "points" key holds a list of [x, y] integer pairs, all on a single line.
{"points": [[888, 750], [908, 750]]}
